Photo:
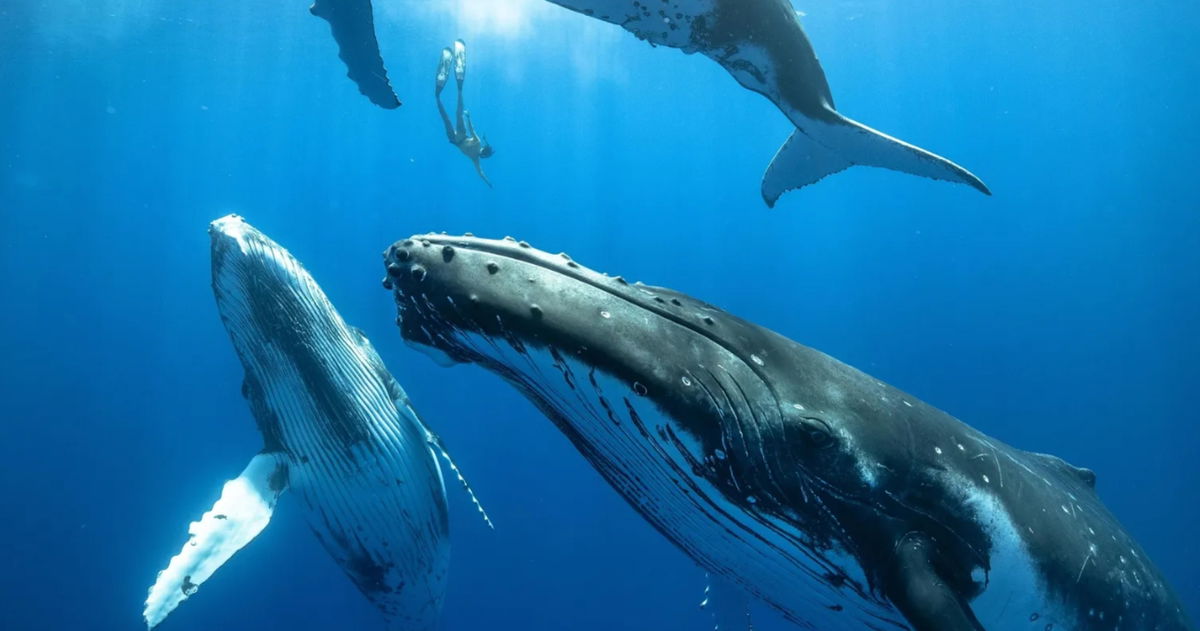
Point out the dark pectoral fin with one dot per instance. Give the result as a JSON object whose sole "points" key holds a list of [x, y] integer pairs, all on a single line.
{"points": [[913, 584], [353, 25]]}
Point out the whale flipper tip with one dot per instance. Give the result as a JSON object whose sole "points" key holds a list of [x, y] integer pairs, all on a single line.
{"points": [[239, 515], [439, 447]]}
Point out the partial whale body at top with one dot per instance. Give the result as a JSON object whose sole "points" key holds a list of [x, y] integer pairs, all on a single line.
{"points": [[353, 26], [761, 43]]}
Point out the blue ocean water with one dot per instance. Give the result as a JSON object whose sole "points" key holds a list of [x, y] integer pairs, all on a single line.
{"points": [[1060, 315]]}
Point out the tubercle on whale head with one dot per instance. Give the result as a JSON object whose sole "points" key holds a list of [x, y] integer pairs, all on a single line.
{"points": [[506, 287], [428, 272]]}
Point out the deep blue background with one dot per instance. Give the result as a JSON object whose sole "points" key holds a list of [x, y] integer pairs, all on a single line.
{"points": [[1061, 315]]}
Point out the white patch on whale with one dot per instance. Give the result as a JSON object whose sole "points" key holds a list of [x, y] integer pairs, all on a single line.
{"points": [[242, 511], [1014, 598]]}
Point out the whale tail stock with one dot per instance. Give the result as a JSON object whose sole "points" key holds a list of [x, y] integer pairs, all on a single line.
{"points": [[827, 147]]}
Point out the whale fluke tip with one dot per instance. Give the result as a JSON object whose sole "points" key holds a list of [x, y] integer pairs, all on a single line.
{"points": [[981, 187]]}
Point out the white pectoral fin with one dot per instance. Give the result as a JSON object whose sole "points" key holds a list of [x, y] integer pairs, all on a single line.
{"points": [[243, 510], [826, 147], [728, 604], [439, 448]]}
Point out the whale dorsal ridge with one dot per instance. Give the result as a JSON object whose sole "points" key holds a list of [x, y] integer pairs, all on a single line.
{"points": [[1086, 476]]}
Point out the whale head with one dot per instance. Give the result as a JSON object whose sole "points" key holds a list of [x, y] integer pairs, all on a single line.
{"points": [[264, 295], [293, 344]]}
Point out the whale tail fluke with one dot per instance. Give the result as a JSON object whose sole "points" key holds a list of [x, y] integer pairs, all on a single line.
{"points": [[825, 148], [243, 510], [799, 162]]}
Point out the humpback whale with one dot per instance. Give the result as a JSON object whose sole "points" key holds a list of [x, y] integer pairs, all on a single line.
{"points": [[353, 26], [841, 501], [337, 429], [761, 43]]}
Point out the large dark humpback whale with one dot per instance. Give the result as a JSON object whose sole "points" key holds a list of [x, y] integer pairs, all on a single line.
{"points": [[839, 500], [761, 43], [337, 429]]}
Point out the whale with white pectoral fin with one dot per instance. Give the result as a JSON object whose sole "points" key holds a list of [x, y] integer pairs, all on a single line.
{"points": [[338, 431], [761, 43], [840, 501]]}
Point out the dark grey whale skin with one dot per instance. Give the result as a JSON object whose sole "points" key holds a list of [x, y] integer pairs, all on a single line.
{"points": [[353, 26], [919, 542]]}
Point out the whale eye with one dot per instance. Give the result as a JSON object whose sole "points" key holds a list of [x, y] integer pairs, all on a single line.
{"points": [[818, 432]]}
